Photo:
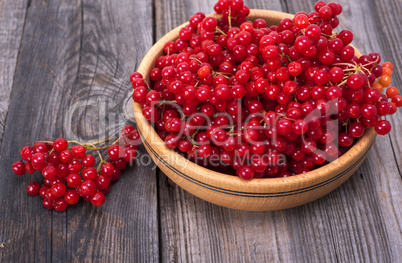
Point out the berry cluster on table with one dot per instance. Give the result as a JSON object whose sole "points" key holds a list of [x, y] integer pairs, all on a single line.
{"points": [[69, 172]]}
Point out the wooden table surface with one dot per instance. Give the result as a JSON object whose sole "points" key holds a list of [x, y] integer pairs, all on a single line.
{"points": [[57, 54]]}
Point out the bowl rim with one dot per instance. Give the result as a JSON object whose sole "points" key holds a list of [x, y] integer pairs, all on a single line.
{"points": [[357, 152]]}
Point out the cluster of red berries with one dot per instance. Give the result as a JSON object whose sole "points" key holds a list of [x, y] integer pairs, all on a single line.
{"points": [[69, 172], [251, 95]]}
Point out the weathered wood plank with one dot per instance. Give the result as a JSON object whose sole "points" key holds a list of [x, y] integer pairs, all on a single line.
{"points": [[43, 74], [388, 38], [115, 37], [72, 52], [359, 222], [380, 177], [197, 231], [12, 19]]}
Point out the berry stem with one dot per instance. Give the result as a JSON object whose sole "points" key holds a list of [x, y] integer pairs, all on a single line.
{"points": [[196, 59], [91, 145], [99, 154], [101, 163], [218, 30], [345, 64], [230, 17]]}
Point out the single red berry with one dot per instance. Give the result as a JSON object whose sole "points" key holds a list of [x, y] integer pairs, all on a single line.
{"points": [[138, 82], [57, 180], [368, 110], [153, 97], [185, 146], [40, 147], [204, 151], [49, 195], [325, 12], [88, 188], [314, 32], [58, 189], [383, 127], [62, 170], [284, 126], [116, 175], [107, 169], [38, 161], [397, 100], [345, 140], [47, 182], [135, 75], [26, 153], [71, 197], [29, 168], [383, 108], [49, 172], [89, 173], [301, 20], [78, 151], [98, 199], [86, 198], [129, 154], [295, 68], [19, 168], [48, 203], [356, 130], [74, 166], [119, 164], [54, 158], [60, 205], [115, 152], [204, 71], [74, 180], [66, 156], [259, 163], [346, 36], [172, 141], [139, 94], [33, 188], [300, 127], [126, 130], [133, 137], [102, 182], [88, 160], [43, 190], [245, 172], [391, 93], [60, 145]]}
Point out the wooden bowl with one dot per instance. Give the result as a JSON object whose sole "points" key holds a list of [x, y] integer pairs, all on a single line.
{"points": [[231, 191]]}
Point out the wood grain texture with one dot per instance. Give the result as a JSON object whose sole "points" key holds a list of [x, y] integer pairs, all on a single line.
{"points": [[387, 37], [359, 222], [196, 231], [74, 51], [12, 18], [380, 176], [113, 41], [29, 233]]}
